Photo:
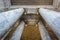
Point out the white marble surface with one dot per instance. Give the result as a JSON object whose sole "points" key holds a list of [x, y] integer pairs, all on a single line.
{"points": [[8, 18], [18, 32], [52, 18], [43, 32], [32, 6]]}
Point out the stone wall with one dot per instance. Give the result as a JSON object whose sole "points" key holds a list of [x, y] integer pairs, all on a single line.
{"points": [[56, 4], [1, 4], [32, 2], [5, 4]]}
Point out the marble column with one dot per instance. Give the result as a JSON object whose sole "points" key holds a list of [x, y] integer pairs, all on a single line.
{"points": [[8, 18], [44, 33], [52, 18], [18, 32]]}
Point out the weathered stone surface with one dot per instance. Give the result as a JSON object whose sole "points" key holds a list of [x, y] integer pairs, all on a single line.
{"points": [[1, 4], [5, 4], [31, 32], [56, 3], [32, 2]]}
